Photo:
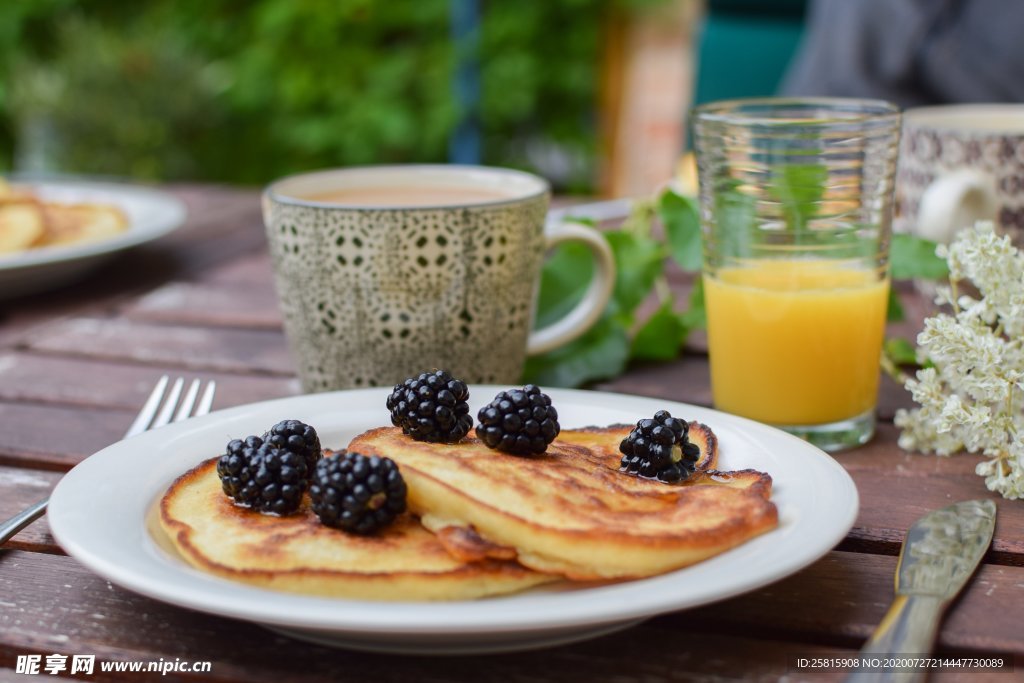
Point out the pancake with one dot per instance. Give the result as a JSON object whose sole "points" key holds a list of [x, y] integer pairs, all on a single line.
{"points": [[570, 511], [298, 554], [80, 223], [21, 226]]}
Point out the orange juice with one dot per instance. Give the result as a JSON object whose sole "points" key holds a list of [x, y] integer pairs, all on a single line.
{"points": [[795, 342]]}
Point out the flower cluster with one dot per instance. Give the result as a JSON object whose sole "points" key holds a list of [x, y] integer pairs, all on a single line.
{"points": [[971, 388]]}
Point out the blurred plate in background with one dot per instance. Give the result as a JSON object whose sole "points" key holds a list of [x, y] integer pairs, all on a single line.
{"points": [[151, 214]]}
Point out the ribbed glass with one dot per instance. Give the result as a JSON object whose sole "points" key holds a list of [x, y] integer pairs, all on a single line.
{"points": [[793, 177], [796, 200]]}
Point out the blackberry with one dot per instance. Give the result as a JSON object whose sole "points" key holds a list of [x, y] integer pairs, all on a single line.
{"points": [[431, 407], [659, 449], [357, 493], [297, 437], [518, 421], [263, 477], [235, 470]]}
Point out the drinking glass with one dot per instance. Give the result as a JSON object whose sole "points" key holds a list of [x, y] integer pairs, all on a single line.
{"points": [[796, 201]]}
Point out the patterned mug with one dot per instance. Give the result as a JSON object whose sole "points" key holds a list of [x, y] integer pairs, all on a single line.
{"points": [[959, 164], [384, 272]]}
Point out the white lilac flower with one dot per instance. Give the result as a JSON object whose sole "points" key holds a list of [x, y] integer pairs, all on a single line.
{"points": [[971, 396]]}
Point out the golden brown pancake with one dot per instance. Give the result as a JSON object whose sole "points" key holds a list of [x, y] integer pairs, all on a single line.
{"points": [[298, 554], [570, 510], [75, 223], [21, 226]]}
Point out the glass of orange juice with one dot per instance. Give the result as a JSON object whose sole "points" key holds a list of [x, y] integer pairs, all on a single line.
{"points": [[796, 210]]}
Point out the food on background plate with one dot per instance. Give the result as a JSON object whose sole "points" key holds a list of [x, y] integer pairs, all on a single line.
{"points": [[21, 226], [511, 508], [28, 221]]}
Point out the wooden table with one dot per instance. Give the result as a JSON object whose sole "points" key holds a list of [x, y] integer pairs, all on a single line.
{"points": [[76, 364]]}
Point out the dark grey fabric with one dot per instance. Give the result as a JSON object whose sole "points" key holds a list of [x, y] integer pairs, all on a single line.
{"points": [[912, 52]]}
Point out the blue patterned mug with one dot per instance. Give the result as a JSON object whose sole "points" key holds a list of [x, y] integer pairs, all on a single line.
{"points": [[383, 272]]}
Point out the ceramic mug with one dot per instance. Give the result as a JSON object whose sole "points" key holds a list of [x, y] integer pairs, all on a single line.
{"points": [[384, 272], [959, 164]]}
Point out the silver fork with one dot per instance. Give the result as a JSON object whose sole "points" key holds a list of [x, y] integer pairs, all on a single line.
{"points": [[151, 416]]}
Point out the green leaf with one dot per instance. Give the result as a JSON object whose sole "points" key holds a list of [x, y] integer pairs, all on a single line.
{"points": [[563, 281], [641, 218], [600, 353], [660, 336], [900, 351], [583, 220], [894, 313], [638, 261], [681, 218], [799, 189], [914, 257], [695, 317], [735, 219]]}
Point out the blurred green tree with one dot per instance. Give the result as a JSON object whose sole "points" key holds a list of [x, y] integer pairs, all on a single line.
{"points": [[247, 90]]}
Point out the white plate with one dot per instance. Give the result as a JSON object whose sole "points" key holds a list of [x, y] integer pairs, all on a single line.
{"points": [[98, 514], [151, 214]]}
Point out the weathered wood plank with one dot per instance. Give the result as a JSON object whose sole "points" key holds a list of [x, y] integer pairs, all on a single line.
{"points": [[20, 488], [53, 604], [222, 224], [254, 269], [10, 676], [840, 599], [883, 453], [685, 379], [881, 522], [242, 305], [46, 378], [56, 438], [191, 348]]}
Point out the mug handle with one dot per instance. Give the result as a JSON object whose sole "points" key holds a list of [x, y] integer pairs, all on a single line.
{"points": [[587, 312], [955, 201]]}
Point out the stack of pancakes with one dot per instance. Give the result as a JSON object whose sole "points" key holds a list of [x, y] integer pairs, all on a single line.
{"points": [[481, 522]]}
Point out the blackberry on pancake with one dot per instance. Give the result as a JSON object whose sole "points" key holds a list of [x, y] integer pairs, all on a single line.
{"points": [[356, 493], [659, 449], [263, 477], [297, 437], [236, 471], [431, 407], [518, 421]]}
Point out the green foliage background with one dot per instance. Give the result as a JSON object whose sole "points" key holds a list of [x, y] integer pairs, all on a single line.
{"points": [[247, 90]]}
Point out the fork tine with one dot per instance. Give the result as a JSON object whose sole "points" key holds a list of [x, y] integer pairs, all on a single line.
{"points": [[206, 401], [186, 403], [149, 410], [164, 416]]}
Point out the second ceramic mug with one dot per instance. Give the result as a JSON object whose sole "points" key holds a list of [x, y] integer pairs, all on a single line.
{"points": [[960, 164], [387, 271]]}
